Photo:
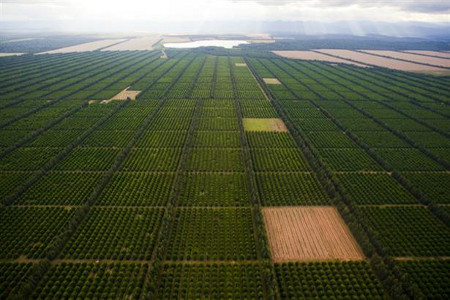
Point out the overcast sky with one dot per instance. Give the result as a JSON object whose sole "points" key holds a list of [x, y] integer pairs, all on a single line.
{"points": [[84, 11]]}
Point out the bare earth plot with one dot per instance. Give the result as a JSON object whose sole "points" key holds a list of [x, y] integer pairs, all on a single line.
{"points": [[311, 55], [381, 61], [260, 36], [123, 95], [175, 39], [240, 64], [261, 41], [302, 233], [140, 43], [271, 81], [431, 53], [438, 62], [85, 47], [3, 54], [272, 124]]}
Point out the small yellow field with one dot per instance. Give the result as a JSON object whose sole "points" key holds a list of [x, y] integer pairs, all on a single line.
{"points": [[240, 64], [273, 124], [271, 81]]}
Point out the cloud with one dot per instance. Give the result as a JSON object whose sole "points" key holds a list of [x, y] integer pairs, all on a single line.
{"points": [[109, 11], [36, 2], [428, 6], [421, 6]]}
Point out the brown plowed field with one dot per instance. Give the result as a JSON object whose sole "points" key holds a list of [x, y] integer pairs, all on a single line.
{"points": [[390, 63], [438, 62], [303, 233], [311, 55]]}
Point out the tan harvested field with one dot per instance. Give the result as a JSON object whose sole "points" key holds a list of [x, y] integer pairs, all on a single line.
{"points": [[140, 43], [432, 53], [260, 36], [3, 54], [19, 40], [261, 41], [176, 39], [438, 62], [124, 95], [311, 55], [240, 64], [381, 61], [305, 233], [272, 124], [85, 47], [271, 81]]}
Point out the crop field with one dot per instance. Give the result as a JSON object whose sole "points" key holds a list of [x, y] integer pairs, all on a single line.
{"points": [[88, 280], [427, 236], [211, 281], [327, 280], [377, 140], [432, 277], [219, 176]]}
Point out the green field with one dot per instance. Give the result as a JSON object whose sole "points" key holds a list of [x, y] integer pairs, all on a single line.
{"points": [[161, 197]]}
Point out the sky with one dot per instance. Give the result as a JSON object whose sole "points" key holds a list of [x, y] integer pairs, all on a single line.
{"points": [[86, 12]]}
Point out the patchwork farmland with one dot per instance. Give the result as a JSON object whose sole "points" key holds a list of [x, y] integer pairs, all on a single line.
{"points": [[125, 175]]}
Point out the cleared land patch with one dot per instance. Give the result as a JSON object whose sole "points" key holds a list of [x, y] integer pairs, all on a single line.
{"points": [[309, 233], [124, 95], [3, 54], [272, 124], [140, 43], [176, 39], [438, 62], [311, 55], [431, 53], [261, 41], [85, 46], [384, 62], [271, 81]]}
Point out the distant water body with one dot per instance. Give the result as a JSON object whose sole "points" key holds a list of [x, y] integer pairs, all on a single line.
{"points": [[207, 43]]}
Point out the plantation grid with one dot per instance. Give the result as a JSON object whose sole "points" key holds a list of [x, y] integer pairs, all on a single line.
{"points": [[182, 192]]}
